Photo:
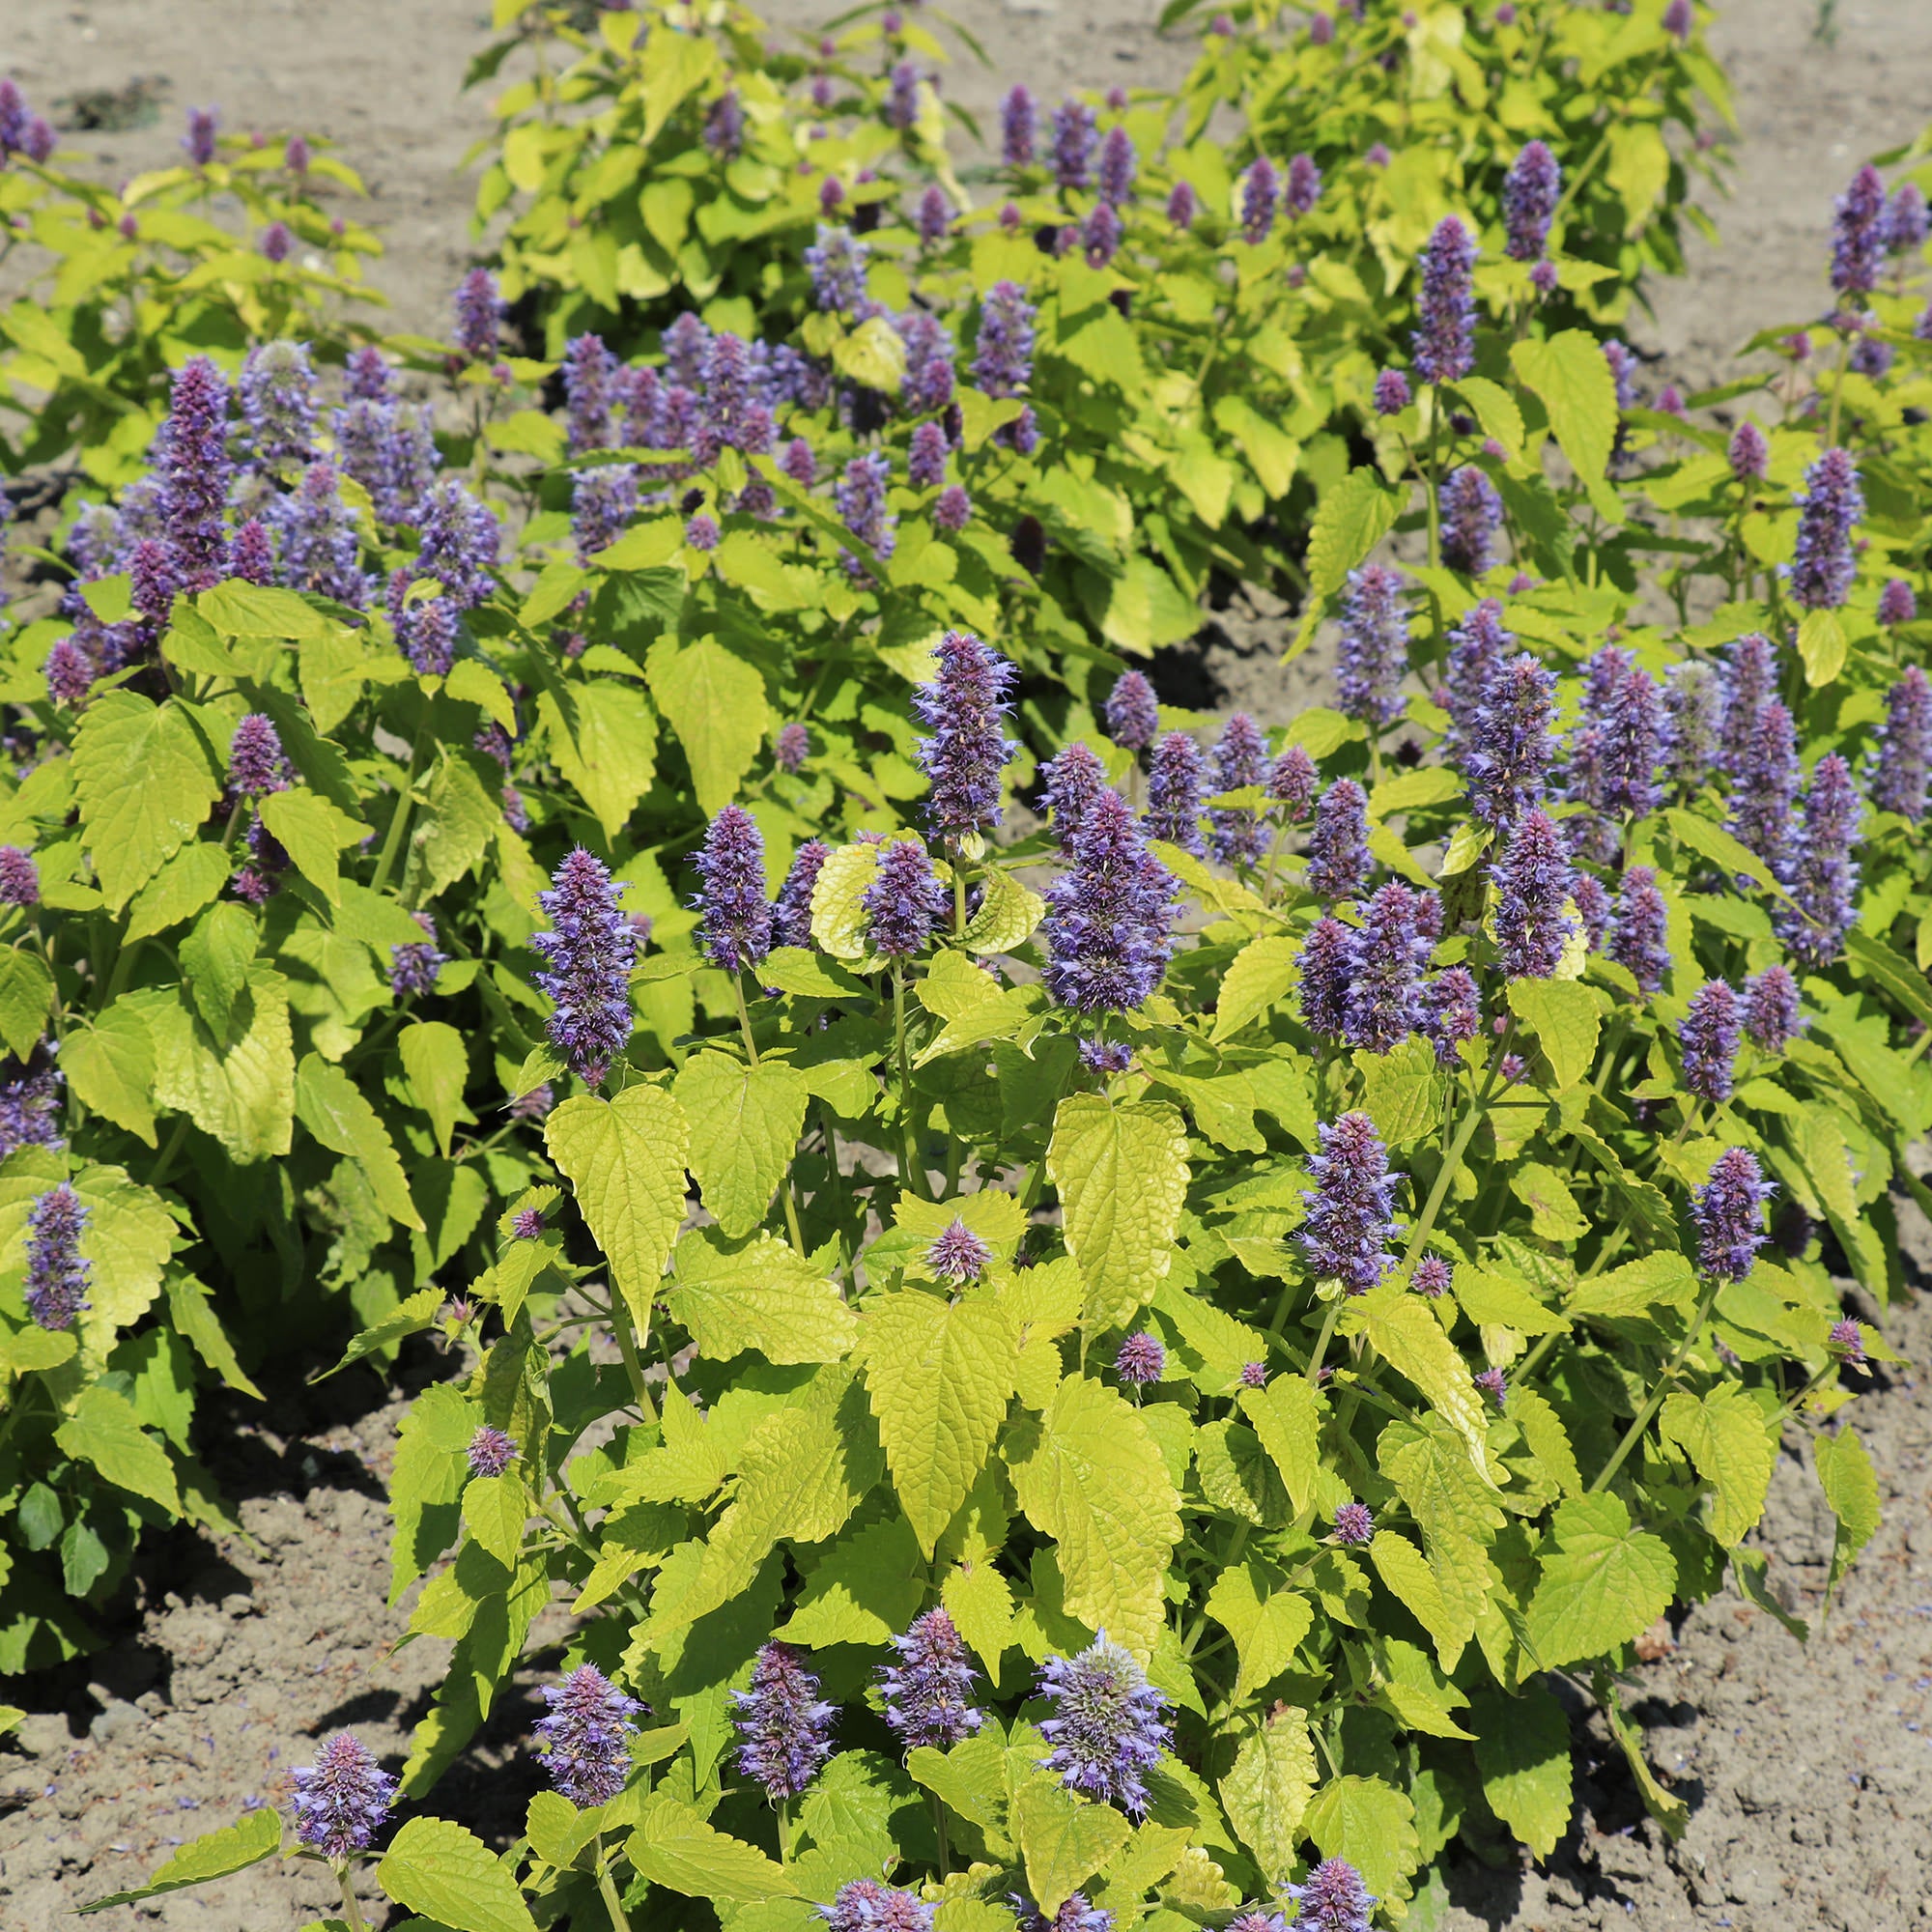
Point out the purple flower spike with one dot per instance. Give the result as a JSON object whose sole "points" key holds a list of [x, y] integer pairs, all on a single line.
{"points": [[1727, 1210], [1767, 784], [1372, 656], [1239, 760], [1679, 17], [905, 903], [1324, 964], [602, 504], [925, 457], [256, 762], [19, 877], [952, 509], [1132, 712], [1107, 1729], [479, 310], [1182, 205], [529, 1226], [1452, 1012], [1142, 1360], [1018, 121], [586, 1737], [864, 1905], [591, 950], [1896, 603], [1749, 679], [1073, 132], [735, 924], [1495, 1385], [198, 143], [1074, 780], [958, 1254], [1386, 962], [1774, 1016], [1822, 877], [1351, 1207], [792, 747], [1002, 356], [1638, 941], [1693, 704], [192, 459], [1354, 1525], [342, 1798], [1076, 1915], [1858, 235], [276, 395], [30, 1100], [1821, 573], [1477, 647], [1706, 1037], [965, 708], [1444, 343], [1530, 191], [414, 966], [1534, 882], [1907, 220], [785, 1731], [1109, 920], [1338, 847], [1334, 1899], [1512, 742], [461, 538], [1304, 185], [792, 917], [57, 1274], [860, 498], [1901, 768], [1174, 793], [1472, 513], [1260, 196], [1432, 1277], [1254, 1374], [1593, 905], [1750, 454], [1291, 779], [1848, 1340], [1118, 164], [490, 1452], [1392, 393]]}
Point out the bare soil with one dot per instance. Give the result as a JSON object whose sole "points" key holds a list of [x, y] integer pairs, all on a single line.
{"points": [[1808, 1771]]}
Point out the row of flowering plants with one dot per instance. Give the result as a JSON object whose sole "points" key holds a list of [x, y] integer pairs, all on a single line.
{"points": [[1124, 1368]]}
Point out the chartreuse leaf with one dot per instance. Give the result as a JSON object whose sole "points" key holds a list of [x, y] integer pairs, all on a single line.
{"points": [[1562, 1017], [1352, 517], [1062, 1838], [145, 784], [980, 1602], [312, 830], [450, 1875], [1122, 1171], [1005, 917], [626, 1159], [970, 1778], [939, 1374], [715, 703], [1667, 1808], [1422, 1698], [758, 1293], [1601, 1581], [193, 1317], [604, 737], [745, 1124], [105, 1431], [1573, 383], [1287, 1417], [1402, 1327], [1267, 1790], [675, 1847], [1725, 1436], [1850, 1484], [866, 1588], [838, 916], [1522, 1751], [434, 1057], [110, 1065], [26, 993], [495, 1509], [1091, 1477], [1265, 1621], [254, 1836], [410, 1317], [1370, 1824], [427, 1478], [1260, 975], [335, 1110]]}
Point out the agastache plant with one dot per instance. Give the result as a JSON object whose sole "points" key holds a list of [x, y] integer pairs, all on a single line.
{"points": [[1108, 1727], [1351, 1207], [591, 951], [965, 709]]}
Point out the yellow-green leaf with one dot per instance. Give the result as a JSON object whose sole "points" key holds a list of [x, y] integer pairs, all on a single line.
{"points": [[1062, 1838], [1725, 1436], [145, 783], [758, 1293], [715, 703], [1601, 1581], [1522, 1751], [254, 1836], [1563, 1017], [675, 1847], [1122, 1171], [331, 1106], [745, 1124], [450, 1875]]}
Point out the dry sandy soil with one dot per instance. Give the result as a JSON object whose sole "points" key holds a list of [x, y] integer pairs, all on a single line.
{"points": [[1808, 1773]]}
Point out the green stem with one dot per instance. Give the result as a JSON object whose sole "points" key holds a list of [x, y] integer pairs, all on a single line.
{"points": [[1430, 502], [606, 1884], [399, 814], [939, 1833], [1323, 1340], [627, 1347], [164, 1166], [784, 1831], [1452, 1159], [913, 1176], [958, 895], [352, 1911], [1635, 1431], [1838, 389]]}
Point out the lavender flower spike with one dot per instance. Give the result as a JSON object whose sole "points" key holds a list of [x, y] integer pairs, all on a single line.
{"points": [[1132, 712], [1174, 793], [479, 308], [591, 950], [1512, 742], [19, 877], [1386, 962], [1074, 780], [1142, 1360], [864, 1905], [1767, 783], [1333, 1899], [586, 1736], [785, 1731], [957, 1254], [1444, 343], [1638, 938], [1107, 1729], [1904, 759], [1706, 1037], [1002, 356], [905, 903], [192, 458], [792, 917], [1239, 760], [490, 1452], [1530, 191], [1534, 883], [1726, 1210], [342, 1798], [1472, 513], [256, 762], [1110, 919], [1821, 573], [1773, 1011], [1338, 847], [735, 926], [965, 708], [1324, 964], [1261, 193], [1372, 655], [57, 1274], [1822, 877], [1858, 235], [1350, 1208]]}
